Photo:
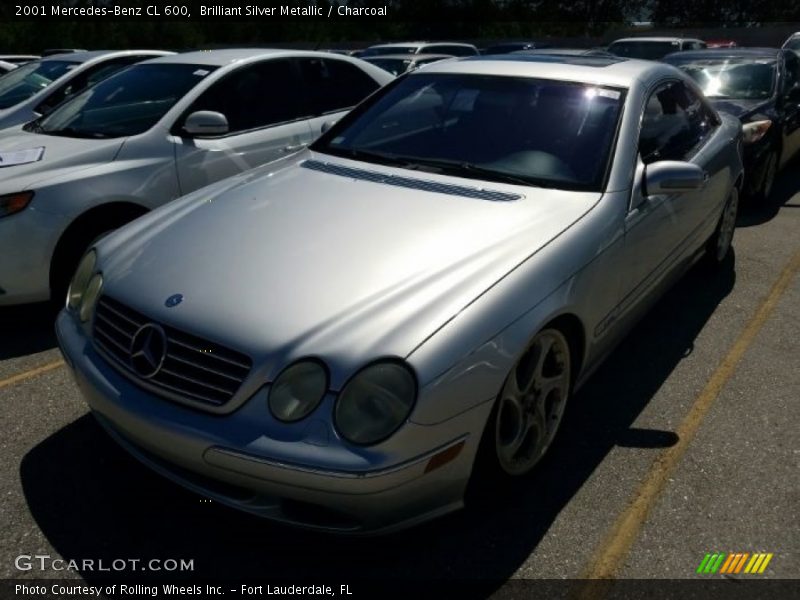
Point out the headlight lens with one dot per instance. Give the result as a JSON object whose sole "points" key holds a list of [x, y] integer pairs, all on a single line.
{"points": [[298, 391], [14, 203], [77, 288], [752, 132], [375, 403], [90, 297]]}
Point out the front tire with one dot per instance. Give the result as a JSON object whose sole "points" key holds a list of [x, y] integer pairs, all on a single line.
{"points": [[769, 172], [526, 415], [719, 246]]}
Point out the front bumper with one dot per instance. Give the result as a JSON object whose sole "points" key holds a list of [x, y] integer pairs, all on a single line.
{"points": [[208, 454], [27, 240]]}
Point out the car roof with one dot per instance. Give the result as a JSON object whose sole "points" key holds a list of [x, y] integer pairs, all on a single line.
{"points": [[563, 52], [406, 44], [227, 56], [406, 56], [597, 70], [646, 38], [723, 53], [82, 57]]}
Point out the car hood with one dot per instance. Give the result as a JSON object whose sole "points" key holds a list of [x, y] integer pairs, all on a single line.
{"points": [[62, 155], [298, 262], [739, 108]]}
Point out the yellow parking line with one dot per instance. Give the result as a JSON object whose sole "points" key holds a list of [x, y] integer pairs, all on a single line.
{"points": [[612, 552], [31, 373]]}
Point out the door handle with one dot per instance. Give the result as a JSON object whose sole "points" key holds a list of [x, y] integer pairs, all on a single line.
{"points": [[293, 148]]}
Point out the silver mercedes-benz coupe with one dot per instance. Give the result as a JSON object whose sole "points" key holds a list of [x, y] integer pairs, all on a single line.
{"points": [[336, 339]]}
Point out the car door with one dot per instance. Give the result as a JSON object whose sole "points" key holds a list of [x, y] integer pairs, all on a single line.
{"points": [[663, 229], [790, 108], [333, 87], [267, 114]]}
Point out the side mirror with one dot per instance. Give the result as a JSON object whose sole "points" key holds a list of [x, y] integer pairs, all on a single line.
{"points": [[672, 177], [327, 125], [206, 122]]}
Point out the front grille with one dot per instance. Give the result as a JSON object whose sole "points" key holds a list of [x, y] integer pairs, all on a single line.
{"points": [[194, 369]]}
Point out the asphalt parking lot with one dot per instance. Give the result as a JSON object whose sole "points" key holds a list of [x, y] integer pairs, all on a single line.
{"points": [[684, 443]]}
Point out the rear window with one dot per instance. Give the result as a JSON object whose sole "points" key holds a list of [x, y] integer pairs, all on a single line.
{"points": [[645, 50]]}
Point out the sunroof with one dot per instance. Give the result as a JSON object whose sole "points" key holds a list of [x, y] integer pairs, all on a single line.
{"points": [[581, 61]]}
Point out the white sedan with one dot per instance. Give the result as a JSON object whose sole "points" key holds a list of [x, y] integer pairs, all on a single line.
{"points": [[37, 87], [151, 133]]}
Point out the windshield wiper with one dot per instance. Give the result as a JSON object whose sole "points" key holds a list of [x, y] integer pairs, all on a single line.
{"points": [[73, 132], [471, 170], [368, 155]]}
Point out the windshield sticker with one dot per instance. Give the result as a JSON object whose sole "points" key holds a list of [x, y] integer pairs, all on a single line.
{"points": [[201, 72], [613, 94], [21, 157]]}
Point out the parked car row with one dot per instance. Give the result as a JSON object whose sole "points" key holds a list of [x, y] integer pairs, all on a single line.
{"points": [[346, 301]]}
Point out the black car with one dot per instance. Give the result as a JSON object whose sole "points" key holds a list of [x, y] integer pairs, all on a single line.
{"points": [[761, 86]]}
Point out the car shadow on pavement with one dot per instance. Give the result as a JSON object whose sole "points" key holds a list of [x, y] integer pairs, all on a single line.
{"points": [[27, 329], [785, 193], [91, 500]]}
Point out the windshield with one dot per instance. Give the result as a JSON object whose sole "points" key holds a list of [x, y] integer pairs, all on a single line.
{"points": [[793, 43], [740, 78], [395, 66], [383, 50], [515, 130], [25, 81], [644, 50], [127, 103]]}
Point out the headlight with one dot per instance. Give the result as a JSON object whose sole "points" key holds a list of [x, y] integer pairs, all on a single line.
{"points": [[90, 297], [298, 391], [375, 403], [14, 203], [752, 132], [77, 287]]}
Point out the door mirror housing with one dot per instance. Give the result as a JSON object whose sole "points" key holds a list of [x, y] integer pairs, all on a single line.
{"points": [[327, 125], [206, 122], [672, 177]]}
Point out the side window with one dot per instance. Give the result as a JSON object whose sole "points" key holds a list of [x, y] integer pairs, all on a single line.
{"points": [[84, 80], [256, 96], [791, 76], [674, 124], [334, 85]]}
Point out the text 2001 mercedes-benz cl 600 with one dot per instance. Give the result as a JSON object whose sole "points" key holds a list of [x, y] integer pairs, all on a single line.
{"points": [[337, 339]]}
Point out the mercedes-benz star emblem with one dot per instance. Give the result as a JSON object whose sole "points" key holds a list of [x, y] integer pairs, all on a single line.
{"points": [[148, 350], [173, 300]]}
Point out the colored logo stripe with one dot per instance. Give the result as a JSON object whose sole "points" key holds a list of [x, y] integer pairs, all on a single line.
{"points": [[734, 562], [758, 563], [711, 563]]}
